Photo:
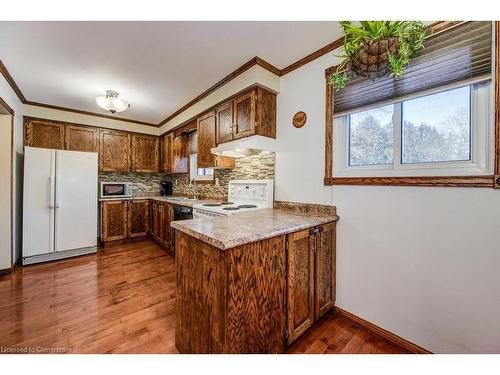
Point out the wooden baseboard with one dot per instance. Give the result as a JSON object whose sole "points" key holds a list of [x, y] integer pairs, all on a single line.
{"points": [[386, 335]]}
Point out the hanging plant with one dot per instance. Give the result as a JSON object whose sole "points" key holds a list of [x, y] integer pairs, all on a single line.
{"points": [[376, 48]]}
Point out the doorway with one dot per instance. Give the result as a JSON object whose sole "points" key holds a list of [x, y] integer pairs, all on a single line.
{"points": [[6, 187]]}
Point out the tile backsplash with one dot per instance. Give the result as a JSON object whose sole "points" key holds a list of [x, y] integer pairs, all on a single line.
{"points": [[144, 184], [257, 167]]}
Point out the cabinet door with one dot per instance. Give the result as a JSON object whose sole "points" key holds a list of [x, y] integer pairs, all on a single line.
{"points": [[166, 228], [300, 283], [145, 153], [44, 134], [224, 119], [138, 218], [167, 153], [324, 269], [224, 162], [156, 209], [82, 138], [114, 147], [244, 115], [206, 140], [114, 220], [180, 158]]}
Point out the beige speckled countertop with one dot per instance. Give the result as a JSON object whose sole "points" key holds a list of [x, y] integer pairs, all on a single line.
{"points": [[174, 200], [230, 231]]}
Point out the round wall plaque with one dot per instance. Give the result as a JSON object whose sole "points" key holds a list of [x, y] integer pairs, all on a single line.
{"points": [[299, 119]]}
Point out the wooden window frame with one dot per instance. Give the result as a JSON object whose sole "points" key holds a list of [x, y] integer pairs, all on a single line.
{"points": [[490, 181]]}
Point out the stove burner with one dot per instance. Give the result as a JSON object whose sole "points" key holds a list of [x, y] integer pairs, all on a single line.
{"points": [[231, 208], [226, 203], [212, 204], [247, 206]]}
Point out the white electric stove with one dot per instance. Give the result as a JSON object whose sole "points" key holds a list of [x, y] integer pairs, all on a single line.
{"points": [[243, 196]]}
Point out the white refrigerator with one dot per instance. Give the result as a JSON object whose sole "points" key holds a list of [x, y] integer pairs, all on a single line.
{"points": [[59, 204]]}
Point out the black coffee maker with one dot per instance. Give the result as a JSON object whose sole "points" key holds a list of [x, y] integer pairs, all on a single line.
{"points": [[165, 188]]}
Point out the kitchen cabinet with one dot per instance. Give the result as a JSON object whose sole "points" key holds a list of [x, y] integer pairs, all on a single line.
{"points": [[82, 138], [156, 212], [145, 153], [138, 218], [300, 282], [180, 153], [167, 231], [324, 270], [206, 132], [167, 153], [252, 113], [224, 119], [114, 151], [44, 134], [310, 278], [114, 220]]}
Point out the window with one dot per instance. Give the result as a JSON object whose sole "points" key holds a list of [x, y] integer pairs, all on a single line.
{"points": [[441, 133], [199, 174]]}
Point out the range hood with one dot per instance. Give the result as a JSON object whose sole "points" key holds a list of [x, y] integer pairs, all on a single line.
{"points": [[244, 147]]}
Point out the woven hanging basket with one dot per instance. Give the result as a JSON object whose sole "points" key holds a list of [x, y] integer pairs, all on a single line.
{"points": [[371, 61]]}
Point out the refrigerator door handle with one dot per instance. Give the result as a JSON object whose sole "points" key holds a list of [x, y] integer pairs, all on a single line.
{"points": [[56, 203], [51, 193]]}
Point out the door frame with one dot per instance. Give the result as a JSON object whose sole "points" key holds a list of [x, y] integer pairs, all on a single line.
{"points": [[7, 110]]}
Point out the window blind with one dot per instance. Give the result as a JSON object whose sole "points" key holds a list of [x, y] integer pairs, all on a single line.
{"points": [[458, 56]]}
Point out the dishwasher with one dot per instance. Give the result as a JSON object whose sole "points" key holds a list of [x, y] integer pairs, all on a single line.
{"points": [[182, 212]]}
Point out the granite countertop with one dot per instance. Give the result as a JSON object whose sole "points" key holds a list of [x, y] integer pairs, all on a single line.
{"points": [[226, 232], [170, 199]]}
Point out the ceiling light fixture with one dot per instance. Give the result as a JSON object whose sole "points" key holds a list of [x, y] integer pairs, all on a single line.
{"points": [[111, 102]]}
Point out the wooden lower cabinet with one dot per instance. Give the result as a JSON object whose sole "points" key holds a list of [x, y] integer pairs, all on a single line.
{"points": [[161, 216], [138, 218], [114, 220], [156, 212], [230, 301], [300, 282], [310, 277]]}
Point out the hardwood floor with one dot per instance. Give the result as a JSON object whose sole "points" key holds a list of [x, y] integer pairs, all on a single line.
{"points": [[122, 300]]}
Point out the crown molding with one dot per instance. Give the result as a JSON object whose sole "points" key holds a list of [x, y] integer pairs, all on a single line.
{"points": [[12, 83], [81, 112]]}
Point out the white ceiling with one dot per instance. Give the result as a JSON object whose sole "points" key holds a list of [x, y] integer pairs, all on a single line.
{"points": [[156, 66]]}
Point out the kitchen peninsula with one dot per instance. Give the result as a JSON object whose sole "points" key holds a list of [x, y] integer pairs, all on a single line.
{"points": [[252, 282]]}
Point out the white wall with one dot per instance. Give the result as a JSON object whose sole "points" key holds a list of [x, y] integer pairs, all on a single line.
{"points": [[13, 101], [5, 197], [421, 262]]}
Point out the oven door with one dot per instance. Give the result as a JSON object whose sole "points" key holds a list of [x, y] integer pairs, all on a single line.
{"points": [[113, 190]]}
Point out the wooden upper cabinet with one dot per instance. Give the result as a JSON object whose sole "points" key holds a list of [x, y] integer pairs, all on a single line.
{"points": [[244, 115], [114, 151], [224, 117], [180, 153], [300, 282], [167, 153], [138, 218], [45, 134], [82, 138], [145, 153], [252, 113], [114, 220], [206, 140], [324, 269]]}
